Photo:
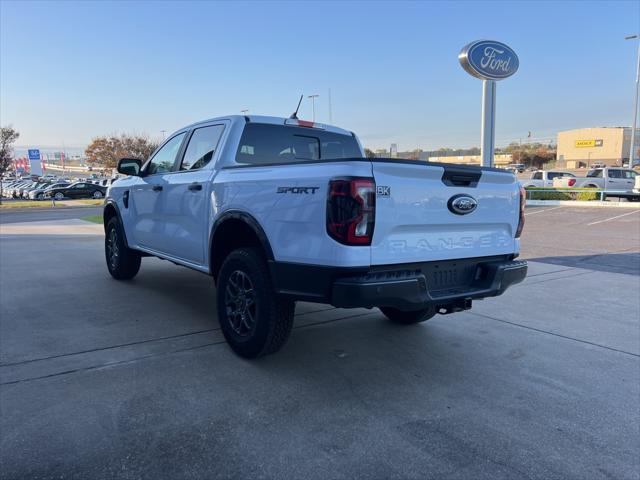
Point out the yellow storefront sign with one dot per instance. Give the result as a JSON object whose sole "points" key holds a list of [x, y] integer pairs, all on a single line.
{"points": [[588, 143]]}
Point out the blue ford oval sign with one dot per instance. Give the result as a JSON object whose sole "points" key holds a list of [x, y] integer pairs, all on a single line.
{"points": [[489, 60]]}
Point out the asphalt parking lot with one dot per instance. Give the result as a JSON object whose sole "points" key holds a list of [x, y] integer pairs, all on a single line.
{"points": [[104, 379]]}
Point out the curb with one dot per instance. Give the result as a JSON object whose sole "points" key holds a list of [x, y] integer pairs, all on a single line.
{"points": [[579, 203]]}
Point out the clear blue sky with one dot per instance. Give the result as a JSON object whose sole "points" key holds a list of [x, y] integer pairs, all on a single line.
{"points": [[73, 70]]}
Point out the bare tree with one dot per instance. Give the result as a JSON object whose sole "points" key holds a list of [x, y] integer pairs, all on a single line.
{"points": [[8, 136], [106, 151]]}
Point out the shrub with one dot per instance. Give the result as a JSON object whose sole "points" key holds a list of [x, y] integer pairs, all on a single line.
{"points": [[588, 196], [562, 194], [533, 195]]}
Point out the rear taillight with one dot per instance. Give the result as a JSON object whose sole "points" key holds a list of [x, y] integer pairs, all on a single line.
{"points": [[351, 209], [523, 195], [572, 182]]}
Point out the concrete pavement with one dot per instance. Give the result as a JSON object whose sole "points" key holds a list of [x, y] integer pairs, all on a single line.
{"points": [[106, 379]]}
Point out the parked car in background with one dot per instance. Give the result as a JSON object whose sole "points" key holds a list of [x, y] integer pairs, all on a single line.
{"points": [[7, 186], [77, 190], [39, 193], [598, 165], [15, 190], [519, 167], [544, 178], [23, 188], [33, 186], [609, 178], [107, 182]]}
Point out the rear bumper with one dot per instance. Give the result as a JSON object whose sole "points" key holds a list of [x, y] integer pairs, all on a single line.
{"points": [[450, 285], [406, 290]]}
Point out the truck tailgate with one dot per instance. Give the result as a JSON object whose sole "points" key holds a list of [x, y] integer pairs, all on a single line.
{"points": [[415, 222]]}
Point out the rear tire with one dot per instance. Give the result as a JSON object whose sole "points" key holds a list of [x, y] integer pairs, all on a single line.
{"points": [[97, 195], [408, 317], [254, 319], [123, 263]]}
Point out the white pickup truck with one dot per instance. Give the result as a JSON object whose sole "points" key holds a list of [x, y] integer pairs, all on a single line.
{"points": [[279, 210], [609, 178], [544, 178]]}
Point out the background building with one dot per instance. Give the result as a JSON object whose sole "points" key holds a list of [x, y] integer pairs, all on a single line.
{"points": [[393, 151], [584, 146]]}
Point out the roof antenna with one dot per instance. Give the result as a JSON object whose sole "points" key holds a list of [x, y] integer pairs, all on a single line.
{"points": [[294, 115]]}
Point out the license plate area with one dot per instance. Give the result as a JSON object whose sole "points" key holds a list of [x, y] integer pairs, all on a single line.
{"points": [[447, 275]]}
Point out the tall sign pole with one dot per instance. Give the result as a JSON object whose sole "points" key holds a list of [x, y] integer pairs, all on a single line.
{"points": [[489, 61], [632, 146], [488, 129]]}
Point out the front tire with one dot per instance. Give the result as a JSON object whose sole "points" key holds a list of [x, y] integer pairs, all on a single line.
{"points": [[122, 262], [408, 317], [58, 196], [254, 319]]}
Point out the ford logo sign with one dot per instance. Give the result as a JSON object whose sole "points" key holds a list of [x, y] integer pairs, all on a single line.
{"points": [[462, 204], [489, 60]]}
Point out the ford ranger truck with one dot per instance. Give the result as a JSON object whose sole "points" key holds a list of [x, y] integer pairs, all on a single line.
{"points": [[280, 210]]}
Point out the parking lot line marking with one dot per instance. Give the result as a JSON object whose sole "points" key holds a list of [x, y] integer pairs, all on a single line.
{"points": [[543, 210], [539, 330], [157, 354], [142, 342], [612, 218]]}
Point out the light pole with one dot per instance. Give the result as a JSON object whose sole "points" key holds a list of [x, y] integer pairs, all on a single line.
{"points": [[244, 112], [313, 105], [163, 132], [632, 147]]}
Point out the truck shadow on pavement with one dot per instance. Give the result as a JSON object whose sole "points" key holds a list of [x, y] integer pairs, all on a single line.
{"points": [[626, 263]]}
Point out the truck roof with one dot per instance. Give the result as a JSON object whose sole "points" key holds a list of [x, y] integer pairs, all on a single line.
{"points": [[271, 120]]}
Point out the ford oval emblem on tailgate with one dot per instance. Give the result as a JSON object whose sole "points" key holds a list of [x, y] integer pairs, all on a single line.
{"points": [[462, 204]]}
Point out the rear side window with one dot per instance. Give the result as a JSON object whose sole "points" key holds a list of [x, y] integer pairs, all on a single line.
{"points": [[202, 146], [553, 175], [263, 144]]}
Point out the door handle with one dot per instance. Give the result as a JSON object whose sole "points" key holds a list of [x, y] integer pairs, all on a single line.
{"points": [[195, 187], [157, 188]]}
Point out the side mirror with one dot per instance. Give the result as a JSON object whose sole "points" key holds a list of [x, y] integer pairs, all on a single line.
{"points": [[130, 166]]}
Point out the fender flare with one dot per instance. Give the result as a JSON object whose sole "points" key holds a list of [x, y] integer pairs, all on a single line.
{"points": [[251, 222], [112, 203]]}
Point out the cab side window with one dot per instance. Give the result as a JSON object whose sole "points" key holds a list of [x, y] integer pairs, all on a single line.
{"points": [[202, 146], [164, 158]]}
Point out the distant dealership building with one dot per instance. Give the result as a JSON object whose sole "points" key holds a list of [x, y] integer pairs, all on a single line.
{"points": [[584, 146]]}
